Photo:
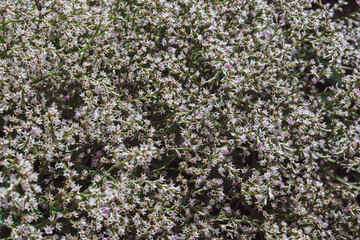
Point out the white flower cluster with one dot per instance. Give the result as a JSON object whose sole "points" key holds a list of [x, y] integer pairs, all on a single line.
{"points": [[189, 119]]}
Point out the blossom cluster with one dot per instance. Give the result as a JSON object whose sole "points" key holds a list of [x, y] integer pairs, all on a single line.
{"points": [[189, 119]]}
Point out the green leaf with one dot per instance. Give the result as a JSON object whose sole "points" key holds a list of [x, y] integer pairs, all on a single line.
{"points": [[336, 78], [57, 42], [57, 209]]}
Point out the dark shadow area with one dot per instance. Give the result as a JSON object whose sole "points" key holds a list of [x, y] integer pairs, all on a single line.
{"points": [[5, 232]]}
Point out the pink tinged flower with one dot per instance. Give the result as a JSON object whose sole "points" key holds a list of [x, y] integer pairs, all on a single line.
{"points": [[31, 93], [67, 98], [228, 209], [266, 84], [48, 230], [59, 215], [267, 35], [312, 61], [259, 197], [267, 175], [172, 41], [282, 16], [291, 122], [112, 128], [227, 66], [281, 184], [106, 211], [314, 80], [358, 2], [95, 162], [224, 151], [67, 159], [20, 31], [259, 144], [357, 91], [59, 165], [6, 203], [333, 151], [220, 181], [34, 101], [171, 30], [313, 70]]}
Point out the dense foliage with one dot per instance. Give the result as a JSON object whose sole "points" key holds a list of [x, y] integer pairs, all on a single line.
{"points": [[190, 119]]}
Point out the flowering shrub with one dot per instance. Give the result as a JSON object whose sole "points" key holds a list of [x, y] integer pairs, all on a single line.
{"points": [[155, 119]]}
